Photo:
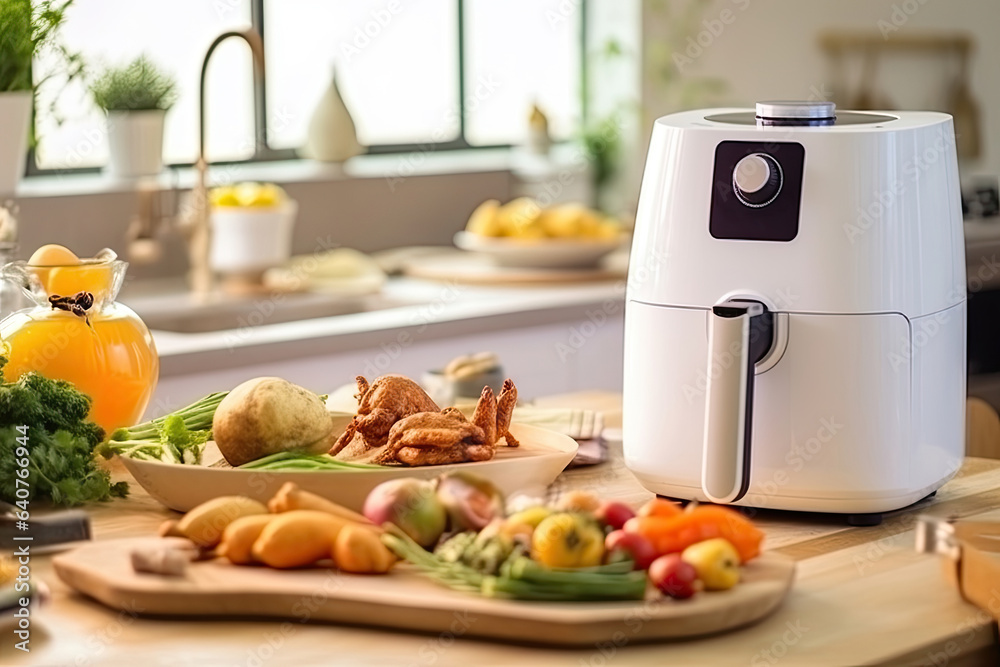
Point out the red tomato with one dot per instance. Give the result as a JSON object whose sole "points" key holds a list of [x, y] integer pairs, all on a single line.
{"points": [[674, 577], [637, 547], [614, 514]]}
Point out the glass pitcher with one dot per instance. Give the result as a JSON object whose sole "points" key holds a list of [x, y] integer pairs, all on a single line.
{"points": [[77, 332]]}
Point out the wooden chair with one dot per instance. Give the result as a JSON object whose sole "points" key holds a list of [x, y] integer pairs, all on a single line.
{"points": [[982, 429]]}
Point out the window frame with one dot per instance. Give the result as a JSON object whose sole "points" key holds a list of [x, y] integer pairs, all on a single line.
{"points": [[264, 153]]}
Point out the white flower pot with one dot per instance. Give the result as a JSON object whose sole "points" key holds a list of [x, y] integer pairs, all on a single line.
{"points": [[249, 240], [15, 119], [135, 141]]}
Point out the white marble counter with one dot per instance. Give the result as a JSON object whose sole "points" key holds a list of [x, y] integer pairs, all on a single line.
{"points": [[407, 310]]}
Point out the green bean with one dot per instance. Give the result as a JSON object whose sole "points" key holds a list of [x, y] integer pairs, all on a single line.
{"points": [[295, 461], [568, 592], [280, 456], [528, 570], [521, 578], [294, 465]]}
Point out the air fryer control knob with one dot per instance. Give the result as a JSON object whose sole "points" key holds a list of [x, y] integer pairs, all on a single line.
{"points": [[757, 180]]}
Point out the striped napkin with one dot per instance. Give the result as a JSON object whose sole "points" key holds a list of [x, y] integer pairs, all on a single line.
{"points": [[584, 426]]}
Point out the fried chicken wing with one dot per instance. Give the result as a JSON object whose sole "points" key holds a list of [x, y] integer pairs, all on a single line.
{"points": [[432, 438], [446, 436], [485, 416], [505, 410], [381, 404], [455, 412], [460, 453]]}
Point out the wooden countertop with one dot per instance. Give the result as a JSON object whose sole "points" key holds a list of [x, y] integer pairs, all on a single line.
{"points": [[862, 596]]}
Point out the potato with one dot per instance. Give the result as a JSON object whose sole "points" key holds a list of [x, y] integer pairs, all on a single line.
{"points": [[205, 523], [269, 415]]}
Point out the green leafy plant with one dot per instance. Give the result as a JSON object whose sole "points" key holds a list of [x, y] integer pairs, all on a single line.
{"points": [[602, 134], [44, 430], [26, 29], [138, 86], [602, 140]]}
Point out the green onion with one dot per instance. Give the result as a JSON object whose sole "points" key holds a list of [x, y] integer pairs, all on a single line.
{"points": [[197, 417]]}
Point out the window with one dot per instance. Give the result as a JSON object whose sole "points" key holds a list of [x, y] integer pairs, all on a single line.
{"points": [[396, 63], [175, 34], [448, 73], [506, 43]]}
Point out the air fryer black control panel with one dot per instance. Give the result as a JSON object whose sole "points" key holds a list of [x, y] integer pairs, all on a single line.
{"points": [[735, 213]]}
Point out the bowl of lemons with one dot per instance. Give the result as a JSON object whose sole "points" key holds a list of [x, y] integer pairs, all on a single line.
{"points": [[524, 234], [251, 228]]}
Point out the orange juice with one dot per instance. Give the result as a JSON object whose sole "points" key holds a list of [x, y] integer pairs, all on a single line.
{"points": [[112, 360], [104, 349]]}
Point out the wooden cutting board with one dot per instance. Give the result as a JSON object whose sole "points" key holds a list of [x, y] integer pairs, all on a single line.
{"points": [[406, 601]]}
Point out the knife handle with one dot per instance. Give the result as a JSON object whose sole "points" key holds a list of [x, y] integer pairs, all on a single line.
{"points": [[46, 529]]}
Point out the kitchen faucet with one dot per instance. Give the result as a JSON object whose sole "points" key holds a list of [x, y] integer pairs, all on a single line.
{"points": [[196, 225]]}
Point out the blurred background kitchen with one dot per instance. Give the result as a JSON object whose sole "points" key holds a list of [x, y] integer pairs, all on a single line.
{"points": [[388, 123]]}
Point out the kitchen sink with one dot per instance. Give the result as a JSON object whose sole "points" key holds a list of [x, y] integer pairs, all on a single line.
{"points": [[181, 313]]}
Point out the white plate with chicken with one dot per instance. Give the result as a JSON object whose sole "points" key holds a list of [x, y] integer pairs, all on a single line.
{"points": [[397, 431]]}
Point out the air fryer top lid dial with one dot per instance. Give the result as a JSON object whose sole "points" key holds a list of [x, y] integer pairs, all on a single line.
{"points": [[796, 110], [798, 113]]}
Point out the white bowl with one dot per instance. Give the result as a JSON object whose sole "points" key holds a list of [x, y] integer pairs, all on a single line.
{"points": [[539, 253], [528, 469], [249, 240]]}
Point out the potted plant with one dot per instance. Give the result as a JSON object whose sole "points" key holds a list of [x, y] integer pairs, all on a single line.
{"points": [[24, 32], [136, 98]]}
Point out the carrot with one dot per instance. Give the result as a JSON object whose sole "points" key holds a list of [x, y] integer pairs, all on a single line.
{"points": [[674, 534], [660, 507]]}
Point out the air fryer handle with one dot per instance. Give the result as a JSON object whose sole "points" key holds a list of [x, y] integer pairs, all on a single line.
{"points": [[735, 333]]}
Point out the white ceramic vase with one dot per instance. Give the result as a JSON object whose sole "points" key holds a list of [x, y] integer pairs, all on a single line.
{"points": [[332, 135], [15, 119], [135, 141]]}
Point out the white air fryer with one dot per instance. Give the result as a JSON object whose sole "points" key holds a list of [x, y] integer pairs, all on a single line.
{"points": [[795, 325]]}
